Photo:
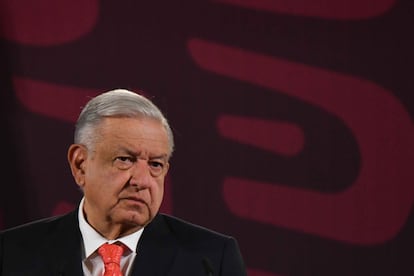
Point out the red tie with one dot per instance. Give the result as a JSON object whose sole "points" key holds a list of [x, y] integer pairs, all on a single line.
{"points": [[111, 255]]}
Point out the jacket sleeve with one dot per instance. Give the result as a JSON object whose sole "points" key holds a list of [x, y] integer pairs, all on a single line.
{"points": [[232, 262]]}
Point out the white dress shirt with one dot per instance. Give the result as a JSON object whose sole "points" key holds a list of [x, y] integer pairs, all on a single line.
{"points": [[92, 263]]}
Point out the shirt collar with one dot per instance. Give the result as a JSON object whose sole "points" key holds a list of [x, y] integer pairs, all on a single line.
{"points": [[92, 240]]}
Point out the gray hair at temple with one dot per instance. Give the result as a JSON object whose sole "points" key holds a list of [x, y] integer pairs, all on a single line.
{"points": [[116, 103]]}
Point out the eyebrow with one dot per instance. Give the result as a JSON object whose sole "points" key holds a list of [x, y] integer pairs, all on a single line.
{"points": [[163, 156], [137, 154]]}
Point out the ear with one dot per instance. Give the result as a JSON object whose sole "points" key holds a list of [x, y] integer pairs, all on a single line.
{"points": [[167, 167], [77, 155]]}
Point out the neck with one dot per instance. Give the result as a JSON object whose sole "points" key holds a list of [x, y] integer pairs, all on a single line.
{"points": [[113, 232]]}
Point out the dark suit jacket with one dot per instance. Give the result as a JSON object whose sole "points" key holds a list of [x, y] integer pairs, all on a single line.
{"points": [[168, 246]]}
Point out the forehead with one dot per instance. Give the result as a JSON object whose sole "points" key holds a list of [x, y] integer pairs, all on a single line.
{"points": [[135, 132]]}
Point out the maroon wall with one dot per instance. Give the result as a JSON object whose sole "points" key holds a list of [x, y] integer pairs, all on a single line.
{"points": [[293, 119]]}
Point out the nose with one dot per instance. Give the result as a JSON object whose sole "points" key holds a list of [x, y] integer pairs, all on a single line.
{"points": [[140, 175]]}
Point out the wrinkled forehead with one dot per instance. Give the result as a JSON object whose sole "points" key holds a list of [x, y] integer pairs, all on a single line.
{"points": [[135, 133]]}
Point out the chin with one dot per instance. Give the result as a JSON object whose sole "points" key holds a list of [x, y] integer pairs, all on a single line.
{"points": [[136, 218]]}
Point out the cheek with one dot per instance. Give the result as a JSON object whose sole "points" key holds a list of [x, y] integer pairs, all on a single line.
{"points": [[105, 183], [158, 191]]}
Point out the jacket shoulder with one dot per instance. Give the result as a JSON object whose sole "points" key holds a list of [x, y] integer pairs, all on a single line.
{"points": [[45, 247], [197, 245], [191, 232], [37, 229]]}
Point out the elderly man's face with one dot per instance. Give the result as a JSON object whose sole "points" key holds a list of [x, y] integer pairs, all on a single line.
{"points": [[123, 175]]}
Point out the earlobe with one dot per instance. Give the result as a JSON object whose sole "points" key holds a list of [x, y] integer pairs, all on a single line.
{"points": [[77, 155]]}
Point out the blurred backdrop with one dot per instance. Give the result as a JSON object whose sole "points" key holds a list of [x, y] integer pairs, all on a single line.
{"points": [[293, 119]]}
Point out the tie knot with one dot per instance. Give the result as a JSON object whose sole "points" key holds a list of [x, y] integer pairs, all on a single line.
{"points": [[111, 253]]}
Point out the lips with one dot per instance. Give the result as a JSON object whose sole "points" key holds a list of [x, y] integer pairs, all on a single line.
{"points": [[135, 199]]}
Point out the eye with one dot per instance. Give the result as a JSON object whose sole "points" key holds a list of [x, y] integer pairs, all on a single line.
{"points": [[156, 167], [124, 162]]}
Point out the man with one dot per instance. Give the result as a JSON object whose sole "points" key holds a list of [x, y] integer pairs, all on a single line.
{"points": [[119, 159]]}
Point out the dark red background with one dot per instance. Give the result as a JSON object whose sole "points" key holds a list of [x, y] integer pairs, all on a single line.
{"points": [[293, 119]]}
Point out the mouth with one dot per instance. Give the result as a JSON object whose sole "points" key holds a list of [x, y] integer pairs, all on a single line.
{"points": [[134, 199]]}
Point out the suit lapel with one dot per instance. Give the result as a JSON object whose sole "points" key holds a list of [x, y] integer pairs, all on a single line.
{"points": [[156, 249]]}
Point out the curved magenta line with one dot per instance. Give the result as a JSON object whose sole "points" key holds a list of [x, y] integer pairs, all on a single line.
{"points": [[378, 203], [284, 138], [47, 22], [51, 100], [327, 9]]}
